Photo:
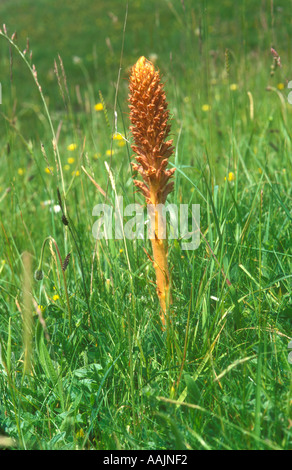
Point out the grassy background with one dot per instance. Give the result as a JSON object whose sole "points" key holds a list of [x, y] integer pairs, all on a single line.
{"points": [[219, 377]]}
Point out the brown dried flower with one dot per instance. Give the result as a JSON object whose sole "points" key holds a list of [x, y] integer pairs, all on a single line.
{"points": [[150, 129]]}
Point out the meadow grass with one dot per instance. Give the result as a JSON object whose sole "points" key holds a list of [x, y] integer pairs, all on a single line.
{"points": [[84, 361]]}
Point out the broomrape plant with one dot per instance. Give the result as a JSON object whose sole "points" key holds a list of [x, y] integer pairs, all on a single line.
{"points": [[150, 129]]}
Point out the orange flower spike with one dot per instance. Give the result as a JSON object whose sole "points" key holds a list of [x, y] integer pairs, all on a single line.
{"points": [[150, 129]]}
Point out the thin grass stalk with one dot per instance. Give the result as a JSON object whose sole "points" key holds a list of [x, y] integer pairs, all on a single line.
{"points": [[27, 313], [39, 273]]}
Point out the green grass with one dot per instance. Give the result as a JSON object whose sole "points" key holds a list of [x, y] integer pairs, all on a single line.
{"points": [[92, 367]]}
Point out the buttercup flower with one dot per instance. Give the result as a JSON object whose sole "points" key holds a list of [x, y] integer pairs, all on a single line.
{"points": [[118, 136], [49, 170], [231, 176], [72, 147], [98, 107], [109, 152], [120, 139]]}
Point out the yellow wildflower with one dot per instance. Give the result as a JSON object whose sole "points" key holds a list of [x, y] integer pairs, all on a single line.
{"points": [[49, 170], [231, 176], [233, 87], [55, 297], [75, 173], [80, 433], [70, 160], [72, 147], [280, 86], [98, 107], [20, 171], [109, 152], [206, 107], [66, 167], [118, 136]]}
